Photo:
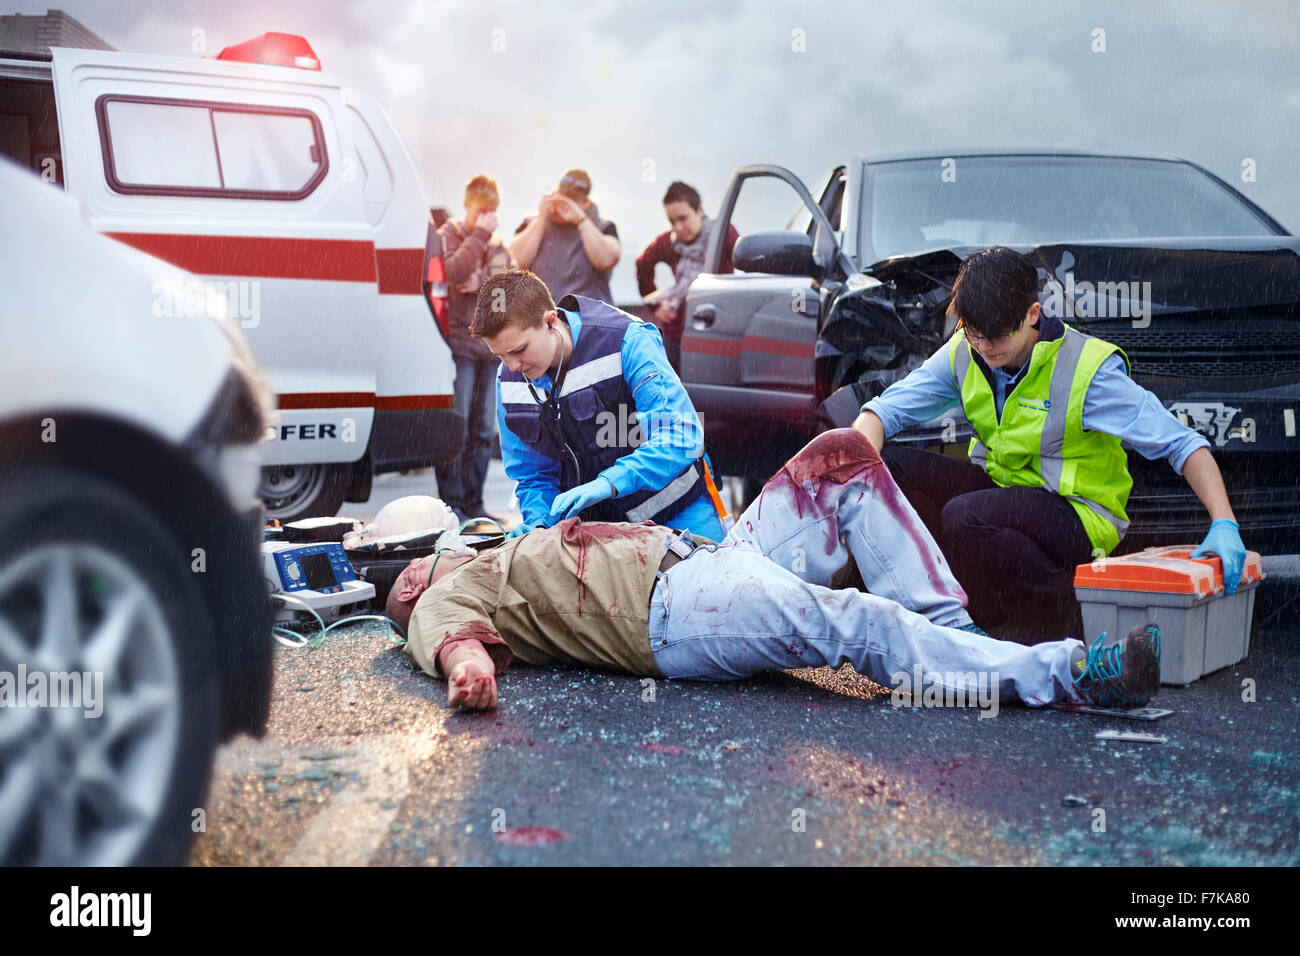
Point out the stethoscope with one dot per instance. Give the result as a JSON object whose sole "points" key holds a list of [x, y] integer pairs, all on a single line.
{"points": [[551, 404]]}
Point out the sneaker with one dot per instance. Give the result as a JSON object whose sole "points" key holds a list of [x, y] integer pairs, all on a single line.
{"points": [[1123, 674]]}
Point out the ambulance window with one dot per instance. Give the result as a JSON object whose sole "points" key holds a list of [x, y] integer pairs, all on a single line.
{"points": [[266, 151], [185, 156], [194, 148]]}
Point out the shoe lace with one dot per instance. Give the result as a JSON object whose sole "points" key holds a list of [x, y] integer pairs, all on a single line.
{"points": [[1154, 632], [1103, 664]]}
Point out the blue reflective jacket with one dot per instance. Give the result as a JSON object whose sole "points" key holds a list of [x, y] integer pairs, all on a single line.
{"points": [[622, 414]]}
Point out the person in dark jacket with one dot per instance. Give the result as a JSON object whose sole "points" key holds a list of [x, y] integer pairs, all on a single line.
{"points": [[682, 247], [471, 255]]}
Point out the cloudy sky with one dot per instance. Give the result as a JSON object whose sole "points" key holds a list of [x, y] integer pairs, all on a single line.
{"points": [[641, 94]]}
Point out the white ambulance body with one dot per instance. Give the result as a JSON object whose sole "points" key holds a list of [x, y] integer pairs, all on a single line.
{"points": [[293, 198]]}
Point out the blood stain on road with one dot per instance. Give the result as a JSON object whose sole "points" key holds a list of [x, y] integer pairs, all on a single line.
{"points": [[665, 748], [531, 836]]}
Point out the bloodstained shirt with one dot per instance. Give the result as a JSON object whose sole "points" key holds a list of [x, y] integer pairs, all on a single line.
{"points": [[577, 593]]}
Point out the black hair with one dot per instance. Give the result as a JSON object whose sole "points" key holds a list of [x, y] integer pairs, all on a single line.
{"points": [[993, 291], [680, 192]]}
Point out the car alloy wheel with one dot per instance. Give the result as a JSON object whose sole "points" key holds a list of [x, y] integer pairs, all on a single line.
{"points": [[95, 581], [85, 776]]}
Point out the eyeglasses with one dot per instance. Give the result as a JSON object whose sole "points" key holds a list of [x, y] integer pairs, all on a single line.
{"points": [[974, 338]]}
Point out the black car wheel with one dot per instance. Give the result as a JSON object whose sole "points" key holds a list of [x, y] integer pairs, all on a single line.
{"points": [[290, 492], [93, 586]]}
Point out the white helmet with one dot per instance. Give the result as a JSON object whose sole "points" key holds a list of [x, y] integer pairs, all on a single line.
{"points": [[412, 514]]}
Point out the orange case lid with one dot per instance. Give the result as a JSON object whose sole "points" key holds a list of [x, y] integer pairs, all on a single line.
{"points": [[1169, 570]]}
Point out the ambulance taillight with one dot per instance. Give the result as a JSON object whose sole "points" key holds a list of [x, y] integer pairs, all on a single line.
{"points": [[275, 49], [433, 281]]}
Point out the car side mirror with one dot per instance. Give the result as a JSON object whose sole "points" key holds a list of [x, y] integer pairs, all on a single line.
{"points": [[784, 252]]}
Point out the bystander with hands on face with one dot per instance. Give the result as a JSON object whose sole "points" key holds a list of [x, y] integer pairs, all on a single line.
{"points": [[567, 244], [471, 255]]}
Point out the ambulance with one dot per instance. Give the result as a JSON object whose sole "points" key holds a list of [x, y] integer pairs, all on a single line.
{"points": [[258, 178]]}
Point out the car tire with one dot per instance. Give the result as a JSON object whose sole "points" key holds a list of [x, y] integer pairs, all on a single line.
{"points": [[93, 582], [290, 492]]}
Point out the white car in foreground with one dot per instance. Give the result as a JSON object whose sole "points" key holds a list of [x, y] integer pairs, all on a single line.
{"points": [[133, 614]]}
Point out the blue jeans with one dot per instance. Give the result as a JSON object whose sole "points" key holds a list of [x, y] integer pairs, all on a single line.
{"points": [[760, 601], [460, 481]]}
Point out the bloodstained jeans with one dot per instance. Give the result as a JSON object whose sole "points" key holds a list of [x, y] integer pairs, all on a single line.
{"points": [[760, 601]]}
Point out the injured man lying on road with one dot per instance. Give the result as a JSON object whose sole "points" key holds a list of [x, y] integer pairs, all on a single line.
{"points": [[650, 601]]}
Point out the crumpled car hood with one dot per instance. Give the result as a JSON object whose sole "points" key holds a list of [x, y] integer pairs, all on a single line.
{"points": [[1183, 310]]}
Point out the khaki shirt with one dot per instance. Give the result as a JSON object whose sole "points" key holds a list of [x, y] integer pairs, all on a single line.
{"points": [[578, 593]]}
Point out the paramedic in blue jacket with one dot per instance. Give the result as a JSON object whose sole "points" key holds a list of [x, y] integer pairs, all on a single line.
{"points": [[593, 419]]}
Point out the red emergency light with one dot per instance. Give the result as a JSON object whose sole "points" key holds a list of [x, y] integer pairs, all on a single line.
{"points": [[276, 49]]}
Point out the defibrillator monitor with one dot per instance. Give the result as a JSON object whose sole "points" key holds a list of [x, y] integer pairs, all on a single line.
{"points": [[319, 575], [308, 567]]}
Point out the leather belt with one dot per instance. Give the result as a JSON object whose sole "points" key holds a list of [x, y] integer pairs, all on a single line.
{"points": [[669, 560], [677, 549]]}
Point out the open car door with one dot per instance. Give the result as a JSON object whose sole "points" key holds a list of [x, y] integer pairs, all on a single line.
{"points": [[748, 345]]}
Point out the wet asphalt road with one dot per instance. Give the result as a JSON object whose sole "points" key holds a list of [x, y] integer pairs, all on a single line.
{"points": [[364, 763]]}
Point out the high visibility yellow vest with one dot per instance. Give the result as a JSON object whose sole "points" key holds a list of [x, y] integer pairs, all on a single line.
{"points": [[1040, 441]]}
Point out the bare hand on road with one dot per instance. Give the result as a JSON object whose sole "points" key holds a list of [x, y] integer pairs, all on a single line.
{"points": [[471, 685]]}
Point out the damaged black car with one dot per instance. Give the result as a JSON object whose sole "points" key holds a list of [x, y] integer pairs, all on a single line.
{"points": [[831, 305]]}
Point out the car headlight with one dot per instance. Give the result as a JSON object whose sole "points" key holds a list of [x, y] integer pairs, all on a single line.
{"points": [[225, 439]]}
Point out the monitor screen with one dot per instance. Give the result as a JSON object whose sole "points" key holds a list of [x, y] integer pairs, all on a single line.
{"points": [[319, 573]]}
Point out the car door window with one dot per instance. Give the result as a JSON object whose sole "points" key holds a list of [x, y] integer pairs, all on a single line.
{"points": [[765, 204], [768, 204], [832, 198]]}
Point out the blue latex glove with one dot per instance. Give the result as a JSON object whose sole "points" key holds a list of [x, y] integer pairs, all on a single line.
{"points": [[1224, 540], [574, 500], [522, 528]]}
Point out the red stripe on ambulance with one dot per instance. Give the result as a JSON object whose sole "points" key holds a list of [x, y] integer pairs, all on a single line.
{"points": [[383, 403], [331, 260], [399, 271]]}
